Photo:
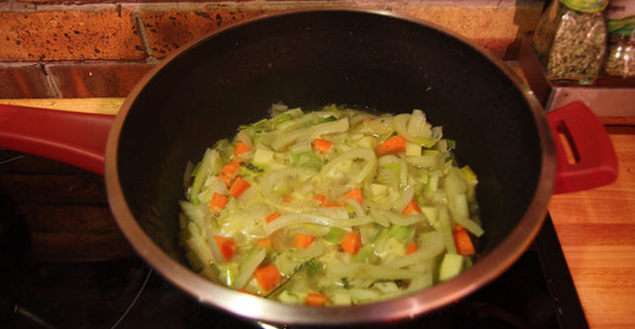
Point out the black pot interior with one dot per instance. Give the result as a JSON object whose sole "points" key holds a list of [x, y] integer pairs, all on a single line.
{"points": [[316, 58]]}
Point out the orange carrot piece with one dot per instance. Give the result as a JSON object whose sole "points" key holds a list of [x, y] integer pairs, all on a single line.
{"points": [[321, 198], [355, 194], [226, 179], [411, 248], [392, 145], [331, 205], [313, 299], [246, 291], [231, 168], [218, 202], [238, 187], [302, 241], [265, 243], [411, 208], [463, 243], [322, 145], [272, 217], [352, 242], [268, 277], [240, 148], [459, 227], [226, 245]]}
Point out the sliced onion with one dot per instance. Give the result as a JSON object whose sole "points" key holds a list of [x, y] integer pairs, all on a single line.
{"points": [[311, 218]]}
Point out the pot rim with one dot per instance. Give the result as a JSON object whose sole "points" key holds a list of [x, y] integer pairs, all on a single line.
{"points": [[405, 307]]}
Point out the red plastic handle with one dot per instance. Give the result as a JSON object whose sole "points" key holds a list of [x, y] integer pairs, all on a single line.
{"points": [[76, 138], [595, 161]]}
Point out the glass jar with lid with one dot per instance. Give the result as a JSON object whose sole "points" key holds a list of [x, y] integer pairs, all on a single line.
{"points": [[570, 40], [620, 60]]}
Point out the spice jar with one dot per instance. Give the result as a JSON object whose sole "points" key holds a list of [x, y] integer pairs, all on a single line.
{"points": [[620, 60], [570, 40]]}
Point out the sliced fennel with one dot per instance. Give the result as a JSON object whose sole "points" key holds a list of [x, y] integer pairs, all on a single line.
{"points": [[355, 218]]}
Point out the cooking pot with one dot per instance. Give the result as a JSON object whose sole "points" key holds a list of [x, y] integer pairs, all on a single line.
{"points": [[367, 59]]}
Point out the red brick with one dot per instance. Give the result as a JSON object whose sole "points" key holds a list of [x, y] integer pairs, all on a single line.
{"points": [[168, 30], [24, 81], [97, 79], [69, 35]]}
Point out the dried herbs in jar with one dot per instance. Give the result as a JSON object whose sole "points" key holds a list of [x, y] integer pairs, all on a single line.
{"points": [[570, 40], [620, 60]]}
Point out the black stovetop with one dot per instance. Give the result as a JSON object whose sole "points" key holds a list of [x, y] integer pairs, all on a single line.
{"points": [[536, 292]]}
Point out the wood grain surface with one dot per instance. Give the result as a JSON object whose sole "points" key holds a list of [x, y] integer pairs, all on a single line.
{"points": [[596, 228]]}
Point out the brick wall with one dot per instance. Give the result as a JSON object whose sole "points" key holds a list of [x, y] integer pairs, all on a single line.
{"points": [[93, 48]]}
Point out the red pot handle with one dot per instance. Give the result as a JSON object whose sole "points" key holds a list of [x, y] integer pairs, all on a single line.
{"points": [[595, 161], [76, 138]]}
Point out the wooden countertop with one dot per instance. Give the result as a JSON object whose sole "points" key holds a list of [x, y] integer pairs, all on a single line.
{"points": [[596, 228]]}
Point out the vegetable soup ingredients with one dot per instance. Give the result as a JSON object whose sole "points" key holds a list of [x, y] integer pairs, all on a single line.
{"points": [[331, 207]]}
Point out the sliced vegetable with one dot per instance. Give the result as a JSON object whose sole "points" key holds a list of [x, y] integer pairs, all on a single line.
{"points": [[226, 179], [226, 245], [272, 217], [322, 145], [265, 243], [218, 202], [240, 148], [355, 194], [412, 208], [239, 187], [411, 248], [313, 299], [268, 277], [231, 168], [392, 145], [451, 266], [249, 265], [320, 198], [352, 242], [335, 235], [302, 241], [463, 242], [332, 207]]}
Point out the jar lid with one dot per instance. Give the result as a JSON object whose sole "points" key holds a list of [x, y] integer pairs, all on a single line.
{"points": [[586, 6]]}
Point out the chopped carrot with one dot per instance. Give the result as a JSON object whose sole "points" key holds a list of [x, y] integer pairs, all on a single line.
{"points": [[240, 148], [287, 198], [218, 202], [459, 227], [231, 168], [331, 205], [355, 194], [392, 145], [463, 243], [314, 299], [272, 217], [238, 187], [411, 248], [321, 198], [352, 242], [226, 179], [265, 243], [246, 291], [411, 208], [302, 241], [322, 145], [226, 245], [268, 277]]}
